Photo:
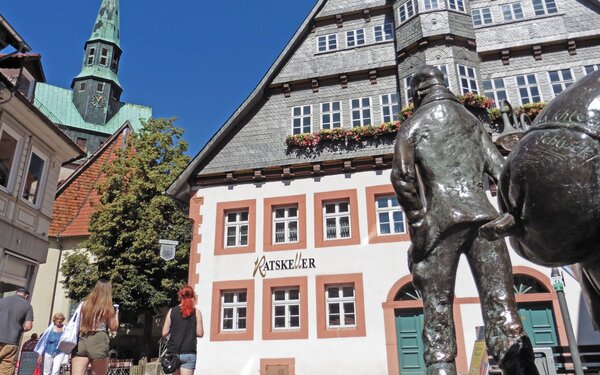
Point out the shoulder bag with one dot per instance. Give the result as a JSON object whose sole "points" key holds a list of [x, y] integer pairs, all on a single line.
{"points": [[70, 335], [170, 362]]}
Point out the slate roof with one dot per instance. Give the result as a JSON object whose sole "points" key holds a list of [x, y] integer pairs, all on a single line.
{"points": [[57, 103], [322, 8], [76, 196]]}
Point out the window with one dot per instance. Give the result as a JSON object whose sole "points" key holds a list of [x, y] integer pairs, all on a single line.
{"points": [[456, 5], [104, 57], [389, 107], [331, 115], [385, 218], [81, 142], [384, 32], [431, 4], [543, 7], [390, 218], [9, 150], [560, 80], [100, 87], [114, 65], [495, 89], [528, 89], [285, 222], [236, 226], [444, 69], [467, 79], [327, 42], [591, 68], [481, 16], [512, 11], [34, 177], [361, 111], [81, 86], [236, 229], [340, 306], [407, 90], [285, 307], [16, 272], [355, 38], [232, 310], [406, 11], [336, 216], [301, 119], [91, 55]]}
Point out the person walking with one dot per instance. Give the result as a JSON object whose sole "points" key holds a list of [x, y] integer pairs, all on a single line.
{"points": [[16, 317], [183, 324], [441, 155], [98, 315], [47, 347]]}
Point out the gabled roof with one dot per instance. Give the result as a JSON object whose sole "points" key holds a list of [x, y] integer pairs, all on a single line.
{"points": [[57, 103], [32, 62], [76, 196], [180, 185]]}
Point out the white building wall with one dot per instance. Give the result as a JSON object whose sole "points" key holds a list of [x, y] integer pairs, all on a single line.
{"points": [[381, 265]]}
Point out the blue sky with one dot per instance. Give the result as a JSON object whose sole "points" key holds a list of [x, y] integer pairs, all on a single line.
{"points": [[196, 60]]}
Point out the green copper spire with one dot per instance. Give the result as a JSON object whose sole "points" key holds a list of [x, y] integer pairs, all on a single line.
{"points": [[108, 25], [96, 89]]}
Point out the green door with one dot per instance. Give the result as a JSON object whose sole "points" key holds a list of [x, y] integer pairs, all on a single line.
{"points": [[409, 325], [538, 321]]}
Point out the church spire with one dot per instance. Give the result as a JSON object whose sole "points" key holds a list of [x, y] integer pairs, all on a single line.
{"points": [[108, 25], [96, 89]]}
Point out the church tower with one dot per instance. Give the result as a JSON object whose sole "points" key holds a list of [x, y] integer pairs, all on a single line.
{"points": [[96, 89]]}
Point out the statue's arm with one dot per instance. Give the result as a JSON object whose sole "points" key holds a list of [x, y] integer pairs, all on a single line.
{"points": [[494, 161], [405, 182]]}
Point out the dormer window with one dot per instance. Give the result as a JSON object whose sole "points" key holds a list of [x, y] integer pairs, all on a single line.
{"points": [[90, 57], [104, 57], [26, 85], [114, 65]]}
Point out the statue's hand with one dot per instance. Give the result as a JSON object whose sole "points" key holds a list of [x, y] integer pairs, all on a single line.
{"points": [[500, 227]]}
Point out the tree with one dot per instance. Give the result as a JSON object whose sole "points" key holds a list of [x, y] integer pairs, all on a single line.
{"points": [[131, 216]]}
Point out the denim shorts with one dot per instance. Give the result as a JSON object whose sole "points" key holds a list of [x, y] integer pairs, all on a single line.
{"points": [[188, 360]]}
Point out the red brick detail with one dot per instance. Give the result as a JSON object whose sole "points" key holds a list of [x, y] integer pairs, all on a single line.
{"points": [[196, 216]]}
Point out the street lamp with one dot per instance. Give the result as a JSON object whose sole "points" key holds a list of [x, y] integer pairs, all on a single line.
{"points": [[558, 282]]}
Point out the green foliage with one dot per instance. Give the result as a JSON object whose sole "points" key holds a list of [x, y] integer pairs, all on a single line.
{"points": [[130, 218], [80, 275]]}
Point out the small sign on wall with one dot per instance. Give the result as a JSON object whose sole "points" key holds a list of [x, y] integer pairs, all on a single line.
{"points": [[167, 249]]}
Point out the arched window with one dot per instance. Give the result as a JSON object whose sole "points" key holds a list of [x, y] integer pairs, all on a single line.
{"points": [[408, 293], [525, 284]]}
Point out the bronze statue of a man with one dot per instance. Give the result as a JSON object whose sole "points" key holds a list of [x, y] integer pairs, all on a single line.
{"points": [[441, 155]]}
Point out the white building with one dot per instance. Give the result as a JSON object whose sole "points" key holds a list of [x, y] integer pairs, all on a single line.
{"points": [[299, 253]]}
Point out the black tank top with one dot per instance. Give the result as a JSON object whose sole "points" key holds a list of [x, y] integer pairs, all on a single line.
{"points": [[180, 335]]}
